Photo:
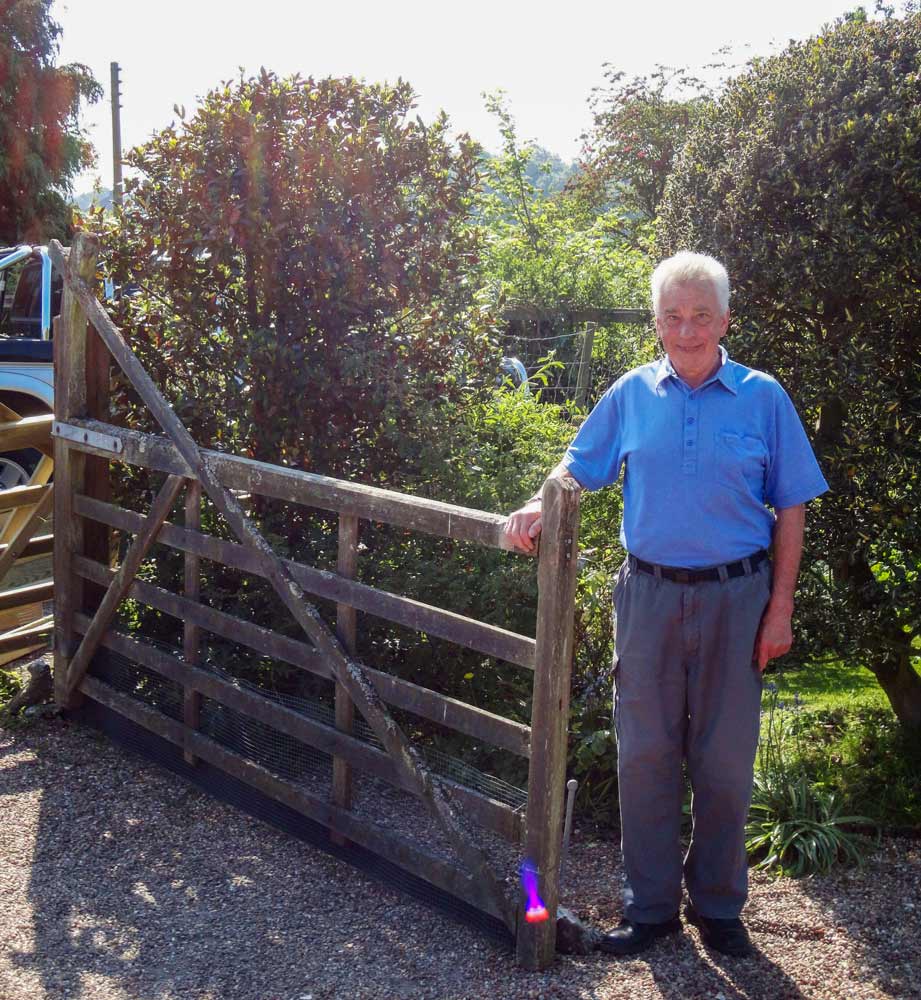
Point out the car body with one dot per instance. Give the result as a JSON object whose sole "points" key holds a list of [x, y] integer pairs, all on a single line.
{"points": [[26, 369]]}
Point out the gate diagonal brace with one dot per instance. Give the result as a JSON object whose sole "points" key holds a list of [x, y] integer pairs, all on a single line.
{"points": [[122, 581], [348, 672]]}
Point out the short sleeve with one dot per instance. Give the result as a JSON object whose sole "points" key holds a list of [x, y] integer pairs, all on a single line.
{"points": [[594, 457], [793, 476]]}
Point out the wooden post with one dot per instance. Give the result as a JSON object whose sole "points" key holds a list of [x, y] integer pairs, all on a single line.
{"points": [[585, 365], [191, 634], [96, 482], [347, 630], [69, 465], [116, 136], [556, 578]]}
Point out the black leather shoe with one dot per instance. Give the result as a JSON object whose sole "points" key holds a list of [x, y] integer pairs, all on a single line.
{"points": [[726, 935], [632, 937]]}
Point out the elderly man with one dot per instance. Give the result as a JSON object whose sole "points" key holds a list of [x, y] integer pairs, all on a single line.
{"points": [[705, 444]]}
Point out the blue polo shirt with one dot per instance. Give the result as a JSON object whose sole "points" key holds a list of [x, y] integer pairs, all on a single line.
{"points": [[700, 465]]}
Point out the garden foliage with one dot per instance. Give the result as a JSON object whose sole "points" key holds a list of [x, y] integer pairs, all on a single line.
{"points": [[303, 251], [639, 127], [797, 826], [543, 254], [42, 146]]}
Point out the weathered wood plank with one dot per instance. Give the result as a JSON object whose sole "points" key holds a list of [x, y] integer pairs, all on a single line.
{"points": [[69, 465], [26, 638], [191, 589], [351, 674], [21, 496], [421, 701], [556, 578], [382, 842], [432, 517], [40, 545], [41, 476], [262, 640], [17, 545], [347, 631], [121, 581], [484, 638], [27, 432], [96, 537], [488, 812], [33, 593]]}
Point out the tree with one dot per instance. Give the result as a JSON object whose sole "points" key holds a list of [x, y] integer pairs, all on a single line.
{"points": [[546, 257], [41, 145], [302, 250], [639, 127], [805, 178]]}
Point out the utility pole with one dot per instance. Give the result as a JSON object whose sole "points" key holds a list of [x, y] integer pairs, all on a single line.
{"points": [[116, 137]]}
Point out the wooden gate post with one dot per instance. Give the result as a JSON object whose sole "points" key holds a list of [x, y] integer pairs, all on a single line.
{"points": [[70, 400], [347, 631], [191, 634], [556, 580]]}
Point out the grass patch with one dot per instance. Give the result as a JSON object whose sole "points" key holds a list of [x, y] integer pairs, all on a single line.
{"points": [[829, 685], [831, 725]]}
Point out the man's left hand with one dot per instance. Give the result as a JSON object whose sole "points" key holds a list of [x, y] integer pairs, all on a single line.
{"points": [[775, 635]]}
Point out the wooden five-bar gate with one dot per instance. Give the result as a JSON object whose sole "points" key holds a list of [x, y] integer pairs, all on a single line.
{"points": [[89, 589]]}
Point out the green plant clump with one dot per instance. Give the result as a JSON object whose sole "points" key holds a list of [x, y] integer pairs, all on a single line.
{"points": [[10, 686], [796, 827], [870, 762]]}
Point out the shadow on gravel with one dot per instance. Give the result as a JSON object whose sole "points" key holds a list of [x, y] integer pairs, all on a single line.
{"points": [[878, 908], [143, 887], [683, 969]]}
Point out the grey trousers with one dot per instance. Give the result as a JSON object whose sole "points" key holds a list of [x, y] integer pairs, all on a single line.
{"points": [[686, 689]]}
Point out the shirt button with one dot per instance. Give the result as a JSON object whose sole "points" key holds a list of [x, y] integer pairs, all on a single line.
{"points": [[690, 444], [690, 420]]}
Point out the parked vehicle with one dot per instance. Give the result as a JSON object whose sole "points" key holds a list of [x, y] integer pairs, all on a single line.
{"points": [[30, 294]]}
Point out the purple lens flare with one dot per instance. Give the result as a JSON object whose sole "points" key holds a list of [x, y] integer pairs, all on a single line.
{"points": [[535, 911]]}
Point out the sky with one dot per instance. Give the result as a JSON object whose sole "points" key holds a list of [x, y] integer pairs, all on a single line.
{"points": [[546, 57]]}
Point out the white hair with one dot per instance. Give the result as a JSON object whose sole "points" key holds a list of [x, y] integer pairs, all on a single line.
{"points": [[687, 267]]}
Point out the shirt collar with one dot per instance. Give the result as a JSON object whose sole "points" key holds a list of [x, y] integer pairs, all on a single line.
{"points": [[724, 374]]}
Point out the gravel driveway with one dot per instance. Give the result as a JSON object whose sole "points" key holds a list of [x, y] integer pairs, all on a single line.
{"points": [[119, 881]]}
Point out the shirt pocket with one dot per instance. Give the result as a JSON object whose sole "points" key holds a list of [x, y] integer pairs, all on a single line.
{"points": [[741, 463]]}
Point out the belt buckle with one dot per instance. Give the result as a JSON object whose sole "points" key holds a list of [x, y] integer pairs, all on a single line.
{"points": [[682, 576]]}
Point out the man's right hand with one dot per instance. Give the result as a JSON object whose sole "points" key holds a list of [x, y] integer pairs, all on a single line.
{"points": [[523, 527]]}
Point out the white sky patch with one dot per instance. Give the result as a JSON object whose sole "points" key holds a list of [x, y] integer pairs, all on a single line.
{"points": [[547, 57]]}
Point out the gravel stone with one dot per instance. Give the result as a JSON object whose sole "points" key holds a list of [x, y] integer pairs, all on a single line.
{"points": [[120, 881]]}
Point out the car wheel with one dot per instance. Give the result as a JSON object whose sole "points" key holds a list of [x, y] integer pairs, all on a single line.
{"points": [[16, 467]]}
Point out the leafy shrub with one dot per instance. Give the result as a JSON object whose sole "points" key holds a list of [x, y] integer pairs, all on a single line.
{"points": [[796, 826], [302, 253], [10, 686], [870, 762]]}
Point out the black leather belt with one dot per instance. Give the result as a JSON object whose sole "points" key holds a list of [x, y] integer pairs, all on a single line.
{"points": [[677, 575]]}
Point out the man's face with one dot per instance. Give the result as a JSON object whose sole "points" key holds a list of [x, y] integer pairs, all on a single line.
{"points": [[691, 326]]}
